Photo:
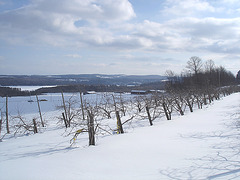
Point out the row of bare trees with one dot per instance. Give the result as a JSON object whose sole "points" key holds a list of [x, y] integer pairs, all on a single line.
{"points": [[114, 113], [88, 116], [18, 124]]}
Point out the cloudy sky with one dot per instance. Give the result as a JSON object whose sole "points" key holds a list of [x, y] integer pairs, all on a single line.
{"points": [[116, 36]]}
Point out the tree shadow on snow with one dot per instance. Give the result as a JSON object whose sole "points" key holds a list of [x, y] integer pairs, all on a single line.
{"points": [[43, 152], [222, 162]]}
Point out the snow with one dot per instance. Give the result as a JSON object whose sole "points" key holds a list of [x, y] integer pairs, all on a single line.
{"points": [[200, 145], [30, 88]]}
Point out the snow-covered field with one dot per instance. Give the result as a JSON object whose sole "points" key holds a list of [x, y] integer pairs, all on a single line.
{"points": [[204, 144]]}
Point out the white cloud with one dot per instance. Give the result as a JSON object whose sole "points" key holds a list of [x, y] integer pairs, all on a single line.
{"points": [[187, 7], [49, 17], [91, 10], [231, 1], [105, 26], [208, 32], [117, 10], [54, 23]]}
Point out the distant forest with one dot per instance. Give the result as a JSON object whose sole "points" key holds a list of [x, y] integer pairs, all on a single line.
{"points": [[200, 75]]}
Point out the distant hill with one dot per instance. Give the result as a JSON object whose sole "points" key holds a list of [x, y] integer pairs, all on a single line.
{"points": [[80, 79]]}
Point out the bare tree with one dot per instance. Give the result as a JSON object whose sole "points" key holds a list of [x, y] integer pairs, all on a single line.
{"points": [[200, 98], [209, 66], [7, 120], [169, 73], [138, 103], [23, 126], [122, 104], [149, 116], [153, 107], [64, 107], [178, 103], [79, 125], [195, 65], [172, 77], [119, 124], [64, 120], [189, 99], [39, 110], [81, 99], [35, 126], [91, 128], [1, 121], [166, 103], [70, 113], [106, 105]]}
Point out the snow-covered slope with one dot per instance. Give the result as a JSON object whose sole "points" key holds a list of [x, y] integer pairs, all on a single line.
{"points": [[200, 145]]}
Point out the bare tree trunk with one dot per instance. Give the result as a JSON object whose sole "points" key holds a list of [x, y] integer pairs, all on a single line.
{"points": [[39, 109], [65, 110], [114, 103], [7, 122], [179, 108], [204, 99], [198, 101], [209, 98], [217, 95], [189, 105], [35, 126], [149, 116], [166, 111], [65, 121], [119, 124], [139, 108], [1, 120], [122, 104], [91, 131], [82, 106]]}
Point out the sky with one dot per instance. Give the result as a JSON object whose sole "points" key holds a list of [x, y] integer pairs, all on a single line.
{"points": [[133, 37]]}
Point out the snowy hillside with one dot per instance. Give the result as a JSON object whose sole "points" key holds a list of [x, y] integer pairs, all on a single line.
{"points": [[200, 145]]}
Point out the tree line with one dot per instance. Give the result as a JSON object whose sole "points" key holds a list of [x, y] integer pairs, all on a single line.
{"points": [[94, 118], [199, 74]]}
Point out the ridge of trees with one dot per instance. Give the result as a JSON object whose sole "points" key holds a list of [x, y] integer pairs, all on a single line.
{"points": [[199, 74], [8, 91]]}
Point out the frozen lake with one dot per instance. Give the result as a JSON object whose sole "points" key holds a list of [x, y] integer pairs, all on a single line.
{"points": [[50, 102], [22, 105]]}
